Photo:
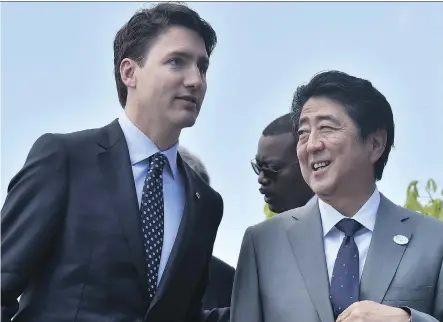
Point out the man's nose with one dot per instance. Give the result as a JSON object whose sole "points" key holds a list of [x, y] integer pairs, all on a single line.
{"points": [[262, 179], [314, 143], [194, 78]]}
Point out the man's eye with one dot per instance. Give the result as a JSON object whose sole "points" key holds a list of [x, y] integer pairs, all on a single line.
{"points": [[175, 61], [272, 168]]}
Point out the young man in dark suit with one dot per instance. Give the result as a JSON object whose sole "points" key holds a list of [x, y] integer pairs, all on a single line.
{"points": [[110, 224]]}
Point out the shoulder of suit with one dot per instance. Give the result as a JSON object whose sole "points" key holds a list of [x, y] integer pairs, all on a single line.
{"points": [[283, 219], [427, 223], [82, 139], [78, 136], [277, 221]]}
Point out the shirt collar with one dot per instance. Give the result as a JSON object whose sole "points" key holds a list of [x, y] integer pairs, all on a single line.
{"points": [[366, 215], [141, 147]]}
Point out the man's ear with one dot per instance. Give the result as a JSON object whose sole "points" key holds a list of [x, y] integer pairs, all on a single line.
{"points": [[377, 144], [127, 72]]}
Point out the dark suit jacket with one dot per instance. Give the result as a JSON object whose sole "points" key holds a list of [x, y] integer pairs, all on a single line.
{"points": [[72, 244], [219, 290]]}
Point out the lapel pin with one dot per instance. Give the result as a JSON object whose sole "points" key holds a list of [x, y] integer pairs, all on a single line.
{"points": [[197, 195], [401, 240]]}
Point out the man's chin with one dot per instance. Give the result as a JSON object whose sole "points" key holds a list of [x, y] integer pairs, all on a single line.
{"points": [[184, 123], [274, 208], [186, 119], [322, 188]]}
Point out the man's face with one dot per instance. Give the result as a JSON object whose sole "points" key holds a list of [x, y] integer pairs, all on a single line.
{"points": [[332, 156], [285, 189], [171, 85]]}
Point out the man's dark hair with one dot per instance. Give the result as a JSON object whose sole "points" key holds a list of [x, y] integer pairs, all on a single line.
{"points": [[195, 163], [280, 125], [364, 104], [134, 39]]}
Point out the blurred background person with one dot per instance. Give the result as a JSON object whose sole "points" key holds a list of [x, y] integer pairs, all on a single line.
{"points": [[221, 275], [276, 165]]}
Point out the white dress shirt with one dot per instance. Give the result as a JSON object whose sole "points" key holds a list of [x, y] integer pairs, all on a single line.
{"points": [[333, 237], [140, 149]]}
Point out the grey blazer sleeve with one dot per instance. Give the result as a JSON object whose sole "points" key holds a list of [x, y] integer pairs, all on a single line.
{"points": [[417, 316], [246, 300]]}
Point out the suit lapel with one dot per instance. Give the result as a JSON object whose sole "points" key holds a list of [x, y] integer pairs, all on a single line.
{"points": [[377, 277], [305, 235], [185, 231], [115, 165]]}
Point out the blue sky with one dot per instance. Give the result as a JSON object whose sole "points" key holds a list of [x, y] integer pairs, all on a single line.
{"points": [[56, 76]]}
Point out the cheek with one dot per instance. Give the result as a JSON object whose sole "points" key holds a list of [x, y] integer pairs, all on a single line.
{"points": [[202, 91], [302, 156], [304, 169], [301, 151], [337, 143]]}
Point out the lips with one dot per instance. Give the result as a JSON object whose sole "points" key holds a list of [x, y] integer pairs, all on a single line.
{"points": [[268, 199], [318, 165], [188, 98], [267, 194]]}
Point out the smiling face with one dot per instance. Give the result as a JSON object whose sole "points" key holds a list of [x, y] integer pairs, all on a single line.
{"points": [[333, 158], [170, 86]]}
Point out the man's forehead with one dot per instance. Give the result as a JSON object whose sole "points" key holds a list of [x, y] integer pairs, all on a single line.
{"points": [[277, 140], [321, 109], [276, 147], [181, 39]]}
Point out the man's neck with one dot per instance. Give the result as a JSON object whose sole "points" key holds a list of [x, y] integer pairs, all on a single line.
{"points": [[349, 204], [163, 137]]}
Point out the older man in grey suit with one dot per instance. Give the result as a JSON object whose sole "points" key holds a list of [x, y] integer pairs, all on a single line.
{"points": [[350, 254]]}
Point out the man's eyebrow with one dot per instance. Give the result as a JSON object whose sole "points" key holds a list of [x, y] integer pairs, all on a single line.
{"points": [[201, 59], [302, 121], [273, 161], [326, 118], [318, 118]]}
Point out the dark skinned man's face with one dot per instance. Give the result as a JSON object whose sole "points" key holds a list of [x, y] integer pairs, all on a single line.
{"points": [[285, 189]]}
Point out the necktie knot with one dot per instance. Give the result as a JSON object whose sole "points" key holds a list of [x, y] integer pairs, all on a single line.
{"points": [[157, 161], [349, 226]]}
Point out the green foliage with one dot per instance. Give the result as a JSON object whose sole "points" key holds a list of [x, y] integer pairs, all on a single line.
{"points": [[434, 205]]}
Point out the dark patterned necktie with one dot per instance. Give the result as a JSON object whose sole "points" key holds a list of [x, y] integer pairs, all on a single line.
{"points": [[152, 216], [345, 282]]}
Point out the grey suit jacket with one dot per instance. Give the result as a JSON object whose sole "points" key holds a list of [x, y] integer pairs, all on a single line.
{"points": [[281, 274]]}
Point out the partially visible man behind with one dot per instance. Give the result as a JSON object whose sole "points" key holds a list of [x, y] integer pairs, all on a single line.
{"points": [[221, 275], [276, 165], [110, 224], [350, 255]]}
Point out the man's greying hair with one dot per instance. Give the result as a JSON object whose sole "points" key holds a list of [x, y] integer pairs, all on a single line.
{"points": [[195, 163], [364, 104], [135, 38]]}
